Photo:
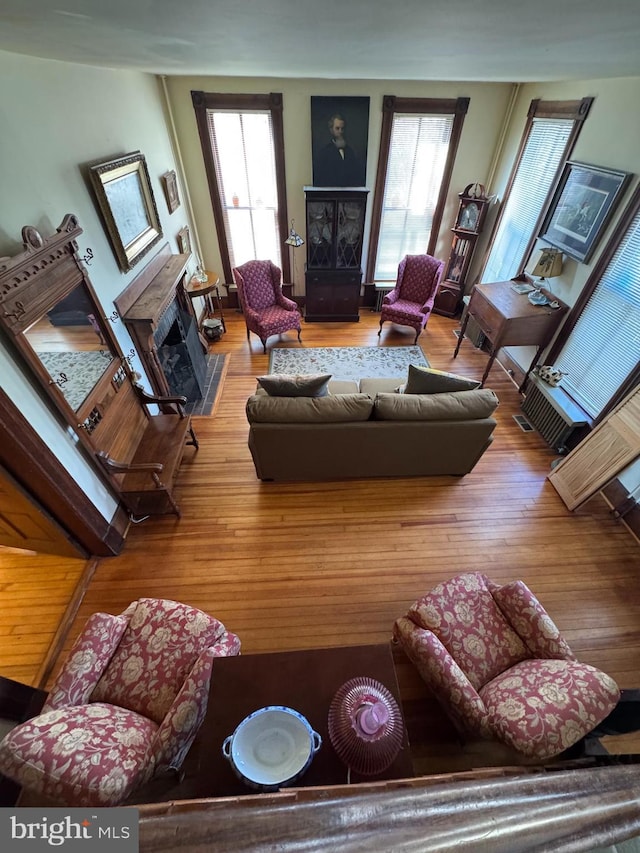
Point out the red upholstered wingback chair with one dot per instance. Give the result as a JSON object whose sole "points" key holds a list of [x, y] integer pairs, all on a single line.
{"points": [[267, 311], [500, 667], [411, 301], [125, 706]]}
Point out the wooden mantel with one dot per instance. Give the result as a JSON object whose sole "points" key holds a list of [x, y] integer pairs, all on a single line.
{"points": [[144, 301]]}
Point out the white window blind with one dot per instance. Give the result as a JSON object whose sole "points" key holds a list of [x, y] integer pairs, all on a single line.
{"points": [[417, 158], [604, 346], [244, 157], [541, 157]]}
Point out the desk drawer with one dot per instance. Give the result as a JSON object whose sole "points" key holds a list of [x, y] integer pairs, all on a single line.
{"points": [[486, 316]]}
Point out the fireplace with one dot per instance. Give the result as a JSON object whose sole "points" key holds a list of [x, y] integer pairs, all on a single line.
{"points": [[163, 327], [180, 353]]}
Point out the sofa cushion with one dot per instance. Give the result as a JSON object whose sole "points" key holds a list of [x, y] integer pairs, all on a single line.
{"points": [[453, 406], [304, 410], [295, 384], [427, 380], [379, 385]]}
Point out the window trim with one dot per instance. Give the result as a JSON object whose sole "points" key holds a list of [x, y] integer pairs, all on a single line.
{"points": [[203, 101], [623, 225], [433, 106], [577, 111]]}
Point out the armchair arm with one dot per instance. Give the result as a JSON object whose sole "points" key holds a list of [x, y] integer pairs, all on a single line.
{"points": [[185, 716], [89, 657], [391, 297], [441, 673], [285, 302], [531, 622], [177, 731]]}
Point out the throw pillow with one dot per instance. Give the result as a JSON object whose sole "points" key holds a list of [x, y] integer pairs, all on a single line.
{"points": [[426, 380], [295, 384]]}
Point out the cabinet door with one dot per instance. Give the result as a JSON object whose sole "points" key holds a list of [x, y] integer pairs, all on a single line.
{"points": [[319, 296], [349, 231], [320, 234]]}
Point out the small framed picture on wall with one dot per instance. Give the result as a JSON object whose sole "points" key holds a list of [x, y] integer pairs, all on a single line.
{"points": [[184, 241], [170, 186]]}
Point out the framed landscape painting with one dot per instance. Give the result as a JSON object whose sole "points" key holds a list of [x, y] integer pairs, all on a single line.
{"points": [[123, 190], [581, 206]]}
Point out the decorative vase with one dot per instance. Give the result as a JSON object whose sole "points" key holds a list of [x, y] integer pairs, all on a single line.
{"points": [[365, 726]]}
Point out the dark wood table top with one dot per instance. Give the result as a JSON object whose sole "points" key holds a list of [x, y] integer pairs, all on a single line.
{"points": [[304, 680]]}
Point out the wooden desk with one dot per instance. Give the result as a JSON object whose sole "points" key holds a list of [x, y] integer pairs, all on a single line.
{"points": [[507, 318], [210, 291]]}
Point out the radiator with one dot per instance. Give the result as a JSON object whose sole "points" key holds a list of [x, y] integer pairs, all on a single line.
{"points": [[552, 413]]}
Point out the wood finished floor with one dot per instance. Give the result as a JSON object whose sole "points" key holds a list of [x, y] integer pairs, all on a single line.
{"points": [[293, 566]]}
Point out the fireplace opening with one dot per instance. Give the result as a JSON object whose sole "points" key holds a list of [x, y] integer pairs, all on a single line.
{"points": [[181, 357]]}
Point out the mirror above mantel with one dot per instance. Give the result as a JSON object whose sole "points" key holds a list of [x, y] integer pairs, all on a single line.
{"points": [[49, 310]]}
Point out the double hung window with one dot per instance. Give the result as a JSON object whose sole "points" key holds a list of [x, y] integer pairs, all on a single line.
{"points": [[242, 144], [417, 150], [550, 133]]}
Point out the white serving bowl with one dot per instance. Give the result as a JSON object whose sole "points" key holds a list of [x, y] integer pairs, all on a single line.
{"points": [[272, 747]]}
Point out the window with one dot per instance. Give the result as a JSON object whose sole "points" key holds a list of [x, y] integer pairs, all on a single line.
{"points": [[241, 137], [549, 136], [417, 151], [602, 350]]}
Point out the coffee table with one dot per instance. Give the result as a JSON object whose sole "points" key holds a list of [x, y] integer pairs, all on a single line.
{"points": [[305, 680]]}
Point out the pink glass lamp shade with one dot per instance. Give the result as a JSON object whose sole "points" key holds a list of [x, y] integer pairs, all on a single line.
{"points": [[365, 726]]}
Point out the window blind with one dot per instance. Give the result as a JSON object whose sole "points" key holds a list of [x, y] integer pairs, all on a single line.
{"points": [[417, 158], [604, 346], [542, 154], [244, 158]]}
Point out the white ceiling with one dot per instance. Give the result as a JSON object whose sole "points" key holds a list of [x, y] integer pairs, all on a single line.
{"points": [[495, 40]]}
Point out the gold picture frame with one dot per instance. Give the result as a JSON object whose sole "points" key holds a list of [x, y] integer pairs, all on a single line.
{"points": [[170, 187], [184, 241], [123, 190]]}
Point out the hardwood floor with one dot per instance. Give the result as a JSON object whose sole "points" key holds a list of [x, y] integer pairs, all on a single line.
{"points": [[291, 566]]}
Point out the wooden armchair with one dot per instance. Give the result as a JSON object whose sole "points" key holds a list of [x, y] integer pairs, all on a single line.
{"points": [[144, 460]]}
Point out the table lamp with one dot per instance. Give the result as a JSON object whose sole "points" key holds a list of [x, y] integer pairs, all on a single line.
{"points": [[365, 726], [547, 263]]}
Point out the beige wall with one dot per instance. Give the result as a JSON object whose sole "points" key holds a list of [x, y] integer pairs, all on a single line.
{"points": [[482, 128]]}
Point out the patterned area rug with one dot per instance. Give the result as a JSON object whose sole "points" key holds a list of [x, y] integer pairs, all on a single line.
{"points": [[347, 362]]}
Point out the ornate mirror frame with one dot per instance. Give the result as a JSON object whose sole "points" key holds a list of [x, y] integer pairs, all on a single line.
{"points": [[44, 295]]}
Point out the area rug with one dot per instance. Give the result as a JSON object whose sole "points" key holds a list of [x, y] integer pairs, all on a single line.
{"points": [[75, 373], [216, 372], [347, 362]]}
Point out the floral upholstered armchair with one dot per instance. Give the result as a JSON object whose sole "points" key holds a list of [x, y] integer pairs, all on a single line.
{"points": [[125, 706], [411, 301], [267, 311], [500, 667]]}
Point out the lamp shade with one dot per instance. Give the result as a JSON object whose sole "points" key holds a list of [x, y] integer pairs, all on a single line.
{"points": [[365, 726], [294, 239], [547, 263]]}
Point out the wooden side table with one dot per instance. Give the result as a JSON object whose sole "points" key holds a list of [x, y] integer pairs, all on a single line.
{"points": [[210, 290], [507, 318]]}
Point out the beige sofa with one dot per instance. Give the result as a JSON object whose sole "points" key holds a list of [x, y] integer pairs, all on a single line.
{"points": [[365, 429]]}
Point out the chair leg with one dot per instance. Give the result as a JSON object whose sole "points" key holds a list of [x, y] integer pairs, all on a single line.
{"points": [[299, 338], [248, 333], [417, 336], [380, 329], [264, 344]]}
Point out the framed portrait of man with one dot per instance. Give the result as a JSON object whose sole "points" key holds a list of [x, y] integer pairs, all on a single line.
{"points": [[339, 137]]}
